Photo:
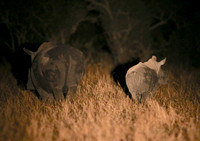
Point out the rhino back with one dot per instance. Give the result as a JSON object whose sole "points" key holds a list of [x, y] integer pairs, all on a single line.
{"points": [[142, 80], [55, 70], [65, 50], [72, 56], [49, 74], [37, 77]]}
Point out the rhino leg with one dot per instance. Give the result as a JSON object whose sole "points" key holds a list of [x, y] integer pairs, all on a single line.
{"points": [[72, 89], [45, 96], [134, 96], [58, 94], [137, 96], [146, 96], [71, 82], [29, 84], [143, 97], [71, 93]]}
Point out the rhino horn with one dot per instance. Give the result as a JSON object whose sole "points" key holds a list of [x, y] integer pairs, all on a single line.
{"points": [[162, 62]]}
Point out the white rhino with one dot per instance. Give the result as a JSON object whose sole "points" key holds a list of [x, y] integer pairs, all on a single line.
{"points": [[56, 70], [144, 78]]}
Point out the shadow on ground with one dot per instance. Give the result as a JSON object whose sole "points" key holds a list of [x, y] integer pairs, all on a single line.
{"points": [[119, 72]]}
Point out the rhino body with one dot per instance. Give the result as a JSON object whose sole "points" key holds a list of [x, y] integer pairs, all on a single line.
{"points": [[143, 78], [56, 70]]}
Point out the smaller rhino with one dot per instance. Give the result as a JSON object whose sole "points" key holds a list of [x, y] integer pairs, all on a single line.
{"points": [[144, 78]]}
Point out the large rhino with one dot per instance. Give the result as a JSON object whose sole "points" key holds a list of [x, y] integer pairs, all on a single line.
{"points": [[56, 70], [144, 78]]}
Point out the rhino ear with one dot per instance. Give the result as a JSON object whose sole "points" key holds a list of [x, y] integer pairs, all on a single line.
{"points": [[162, 62], [32, 54], [28, 52], [154, 58]]}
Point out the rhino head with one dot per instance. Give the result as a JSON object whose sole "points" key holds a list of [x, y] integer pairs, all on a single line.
{"points": [[153, 64]]}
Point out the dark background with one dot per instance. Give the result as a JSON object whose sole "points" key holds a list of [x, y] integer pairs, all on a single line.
{"points": [[125, 30]]}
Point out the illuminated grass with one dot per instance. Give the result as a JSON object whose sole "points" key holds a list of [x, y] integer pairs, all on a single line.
{"points": [[101, 111]]}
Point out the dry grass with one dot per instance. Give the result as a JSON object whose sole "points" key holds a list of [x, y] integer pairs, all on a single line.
{"points": [[102, 112]]}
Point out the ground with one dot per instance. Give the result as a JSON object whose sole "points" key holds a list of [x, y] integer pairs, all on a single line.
{"points": [[102, 112]]}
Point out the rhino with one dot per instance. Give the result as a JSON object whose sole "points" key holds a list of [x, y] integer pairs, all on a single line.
{"points": [[144, 78], [56, 70]]}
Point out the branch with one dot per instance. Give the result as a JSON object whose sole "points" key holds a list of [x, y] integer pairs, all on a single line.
{"points": [[104, 6], [162, 22], [75, 26], [157, 25], [127, 32]]}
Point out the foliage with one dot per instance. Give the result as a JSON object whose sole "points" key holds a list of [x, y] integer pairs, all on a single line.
{"points": [[125, 29], [130, 25], [39, 21]]}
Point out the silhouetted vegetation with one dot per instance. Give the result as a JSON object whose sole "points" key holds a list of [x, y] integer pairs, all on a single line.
{"points": [[125, 29]]}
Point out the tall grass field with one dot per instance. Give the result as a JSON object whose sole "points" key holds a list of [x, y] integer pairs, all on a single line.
{"points": [[101, 111]]}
